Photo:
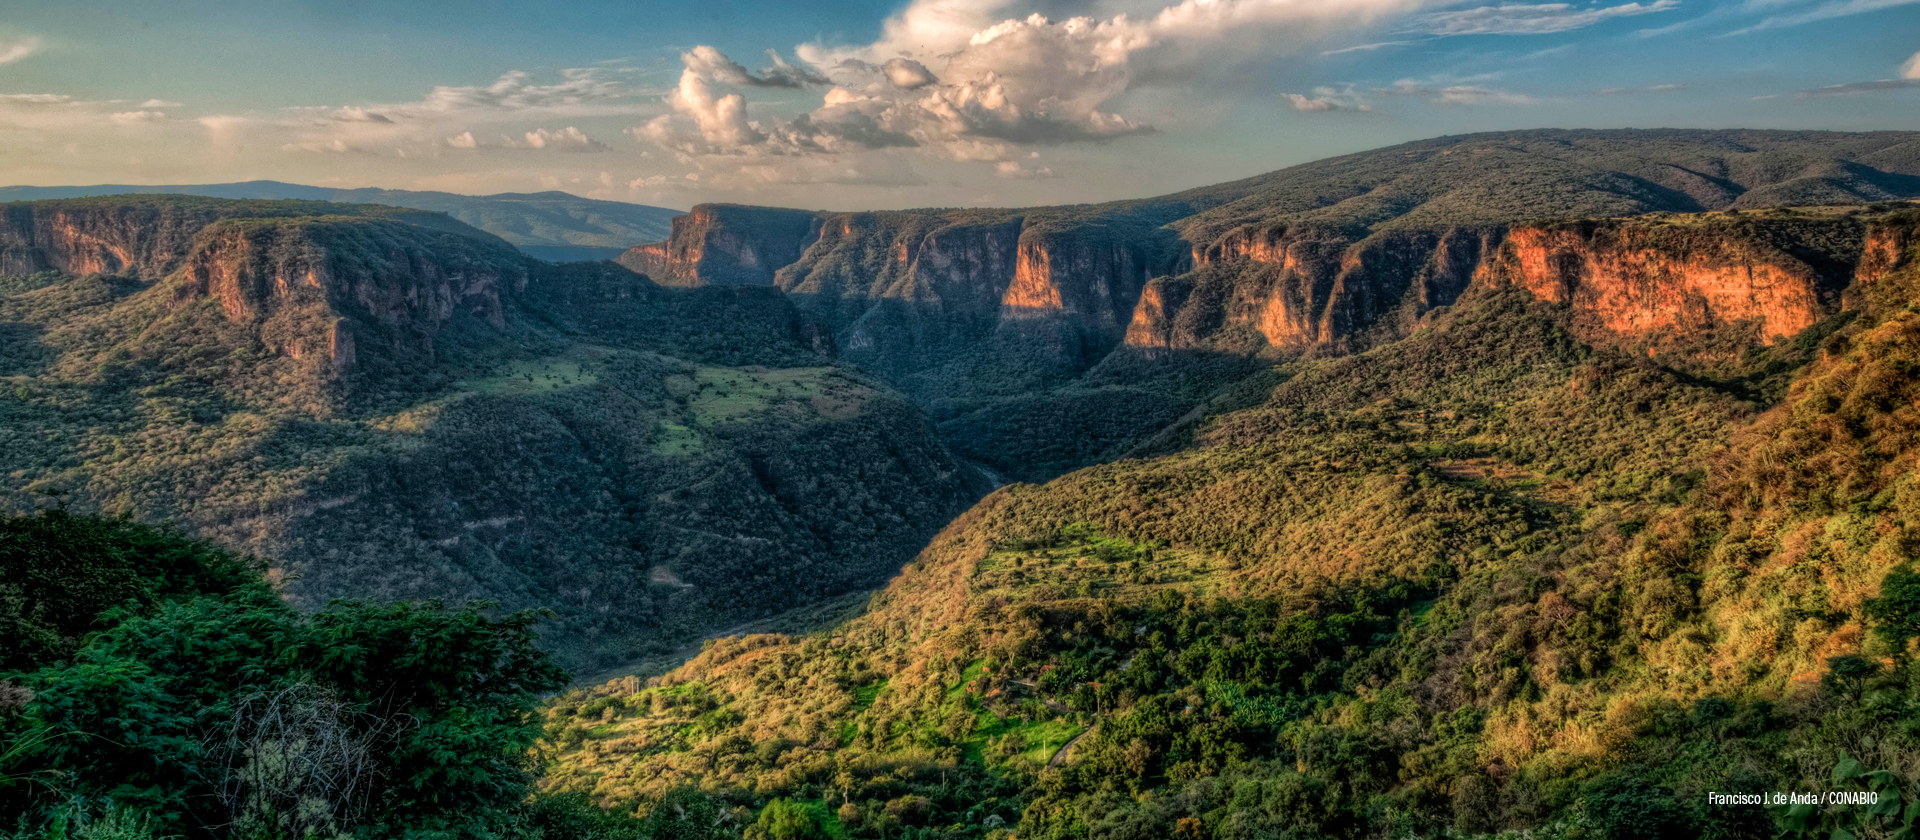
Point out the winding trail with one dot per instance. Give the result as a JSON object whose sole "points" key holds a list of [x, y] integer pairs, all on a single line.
{"points": [[1061, 754]]}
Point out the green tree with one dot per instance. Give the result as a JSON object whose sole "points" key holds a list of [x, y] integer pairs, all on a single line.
{"points": [[785, 819]]}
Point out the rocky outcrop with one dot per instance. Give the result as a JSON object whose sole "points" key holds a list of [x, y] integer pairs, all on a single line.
{"points": [[1635, 279], [1889, 247], [726, 245], [313, 286], [1305, 288], [143, 239], [909, 293]]}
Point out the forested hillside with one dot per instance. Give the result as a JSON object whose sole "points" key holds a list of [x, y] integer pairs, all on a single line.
{"points": [[392, 404], [1511, 573]]}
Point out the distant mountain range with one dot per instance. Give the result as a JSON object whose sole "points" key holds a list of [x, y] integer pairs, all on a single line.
{"points": [[553, 226]]}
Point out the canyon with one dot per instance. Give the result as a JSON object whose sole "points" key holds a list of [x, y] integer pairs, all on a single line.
{"points": [[972, 312]]}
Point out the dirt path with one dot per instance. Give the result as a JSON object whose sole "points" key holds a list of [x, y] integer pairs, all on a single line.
{"points": [[1061, 754]]}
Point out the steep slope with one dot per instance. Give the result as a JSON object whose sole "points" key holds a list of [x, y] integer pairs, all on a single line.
{"points": [[553, 226], [1490, 577], [992, 319], [396, 405]]}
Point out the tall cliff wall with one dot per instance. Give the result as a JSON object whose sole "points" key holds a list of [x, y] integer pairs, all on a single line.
{"points": [[347, 287], [726, 245], [1681, 280], [939, 302], [147, 240], [1306, 288]]}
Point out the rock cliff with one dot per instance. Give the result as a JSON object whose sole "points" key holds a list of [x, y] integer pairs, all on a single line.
{"points": [[347, 287], [925, 297], [1678, 280]]}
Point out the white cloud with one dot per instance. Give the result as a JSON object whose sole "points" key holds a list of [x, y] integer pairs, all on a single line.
{"points": [[568, 139], [999, 79], [1909, 80], [463, 140], [1648, 89], [1327, 99], [12, 51], [1539, 19], [1822, 11], [1368, 47], [136, 117], [159, 103], [1474, 95], [35, 99], [1019, 169]]}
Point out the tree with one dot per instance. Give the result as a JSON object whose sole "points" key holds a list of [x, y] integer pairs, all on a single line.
{"points": [[1898, 608], [785, 819]]}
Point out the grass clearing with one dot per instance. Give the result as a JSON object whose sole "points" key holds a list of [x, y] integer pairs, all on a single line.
{"points": [[519, 377]]}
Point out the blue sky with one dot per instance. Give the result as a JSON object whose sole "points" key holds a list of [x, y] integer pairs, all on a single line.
{"points": [[865, 104]]}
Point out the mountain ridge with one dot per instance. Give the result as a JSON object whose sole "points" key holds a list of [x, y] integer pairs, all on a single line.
{"points": [[972, 311], [551, 225]]}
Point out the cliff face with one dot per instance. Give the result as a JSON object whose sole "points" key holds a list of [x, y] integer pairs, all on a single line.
{"points": [[925, 297], [1681, 280], [145, 240], [1304, 288], [313, 286], [725, 245]]}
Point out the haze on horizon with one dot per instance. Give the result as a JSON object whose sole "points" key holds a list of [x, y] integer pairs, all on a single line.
{"points": [[849, 104]]}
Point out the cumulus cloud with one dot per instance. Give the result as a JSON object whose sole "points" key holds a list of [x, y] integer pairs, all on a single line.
{"points": [[136, 117], [1538, 19], [1911, 69], [159, 103], [12, 51], [964, 79], [568, 139], [356, 114], [907, 74]]}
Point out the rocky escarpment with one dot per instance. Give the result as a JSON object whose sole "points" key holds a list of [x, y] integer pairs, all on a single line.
{"points": [[144, 239], [347, 287], [726, 245], [1680, 280], [1307, 288], [928, 298]]}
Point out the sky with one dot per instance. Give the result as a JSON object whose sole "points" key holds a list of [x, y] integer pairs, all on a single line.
{"points": [[859, 104]]}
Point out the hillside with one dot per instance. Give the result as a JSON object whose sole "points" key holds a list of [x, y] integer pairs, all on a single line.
{"points": [[1009, 326], [1512, 572], [552, 226], [393, 404]]}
